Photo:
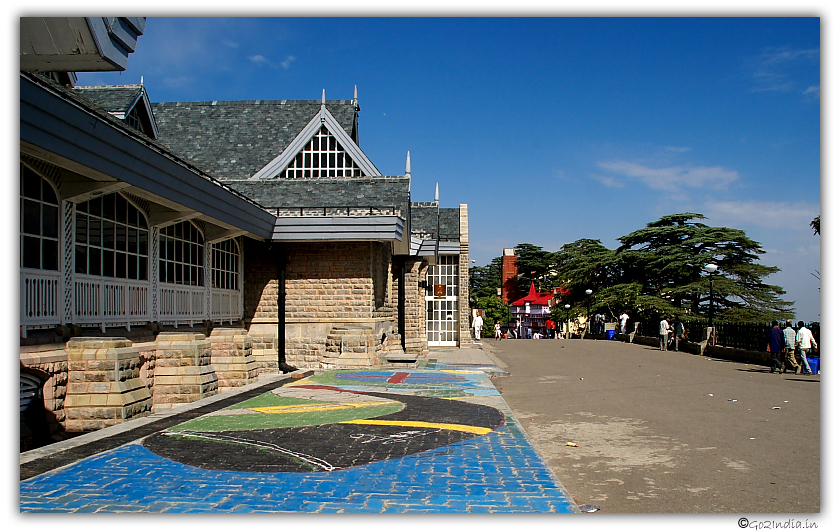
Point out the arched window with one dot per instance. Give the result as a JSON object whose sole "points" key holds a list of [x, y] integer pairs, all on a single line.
{"points": [[112, 239], [39, 221], [181, 255], [225, 270]]}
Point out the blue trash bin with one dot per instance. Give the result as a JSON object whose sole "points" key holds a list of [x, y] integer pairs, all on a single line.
{"points": [[610, 334], [814, 363]]}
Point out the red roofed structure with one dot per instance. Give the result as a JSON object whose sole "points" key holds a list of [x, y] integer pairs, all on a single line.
{"points": [[532, 311]]}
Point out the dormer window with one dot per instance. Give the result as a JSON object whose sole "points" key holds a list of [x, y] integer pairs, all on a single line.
{"points": [[133, 119], [322, 157]]}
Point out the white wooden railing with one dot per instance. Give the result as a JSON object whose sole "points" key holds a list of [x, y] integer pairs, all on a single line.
{"points": [[40, 293], [180, 304], [104, 301], [224, 305]]}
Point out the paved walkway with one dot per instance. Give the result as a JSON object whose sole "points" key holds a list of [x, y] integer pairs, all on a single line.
{"points": [[436, 438]]}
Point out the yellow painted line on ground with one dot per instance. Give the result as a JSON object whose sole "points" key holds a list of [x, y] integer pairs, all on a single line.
{"points": [[308, 408], [419, 424]]}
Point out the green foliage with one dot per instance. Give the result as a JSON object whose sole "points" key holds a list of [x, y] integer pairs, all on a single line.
{"points": [[533, 262], [815, 224], [655, 271], [494, 310], [485, 280]]}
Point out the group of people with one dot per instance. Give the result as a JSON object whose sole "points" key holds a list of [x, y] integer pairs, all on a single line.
{"points": [[671, 334], [790, 348]]}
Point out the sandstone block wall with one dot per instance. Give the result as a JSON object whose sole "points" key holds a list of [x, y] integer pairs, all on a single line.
{"points": [[183, 372], [232, 358], [104, 386], [416, 341]]}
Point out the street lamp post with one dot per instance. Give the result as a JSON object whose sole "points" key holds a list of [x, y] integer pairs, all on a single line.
{"points": [[567, 330], [588, 313], [711, 269]]}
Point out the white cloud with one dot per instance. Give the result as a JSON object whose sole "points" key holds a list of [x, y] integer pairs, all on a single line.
{"points": [[674, 178], [813, 92], [287, 62], [178, 82], [259, 59], [609, 182], [677, 149], [777, 69], [764, 214]]}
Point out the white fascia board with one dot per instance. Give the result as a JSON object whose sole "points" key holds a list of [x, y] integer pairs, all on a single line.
{"points": [[328, 228], [273, 168], [349, 146]]}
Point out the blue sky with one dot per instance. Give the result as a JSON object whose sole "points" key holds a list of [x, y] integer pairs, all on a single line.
{"points": [[550, 129]]}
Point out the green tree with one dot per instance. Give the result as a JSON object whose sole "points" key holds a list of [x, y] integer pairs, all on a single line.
{"points": [[815, 224], [533, 263], [667, 259], [485, 280], [494, 310], [659, 270]]}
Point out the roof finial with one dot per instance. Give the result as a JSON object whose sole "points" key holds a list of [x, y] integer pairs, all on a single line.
{"points": [[141, 81], [408, 164], [355, 94], [323, 96], [437, 193]]}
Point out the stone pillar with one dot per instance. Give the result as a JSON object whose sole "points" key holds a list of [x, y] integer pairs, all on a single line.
{"points": [[232, 358], [183, 372], [464, 313], [104, 386], [416, 341]]}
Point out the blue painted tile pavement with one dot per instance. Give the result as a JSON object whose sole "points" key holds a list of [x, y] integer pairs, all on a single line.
{"points": [[496, 472]]}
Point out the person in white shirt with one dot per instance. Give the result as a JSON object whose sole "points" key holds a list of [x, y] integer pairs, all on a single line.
{"points": [[664, 330], [498, 329], [805, 344], [478, 323], [623, 318]]}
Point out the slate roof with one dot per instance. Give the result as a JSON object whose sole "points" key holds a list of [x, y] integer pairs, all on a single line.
{"points": [[235, 139], [364, 192], [424, 219], [78, 97], [113, 98]]}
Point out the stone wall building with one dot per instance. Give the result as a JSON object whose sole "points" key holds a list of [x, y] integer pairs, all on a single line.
{"points": [[170, 251]]}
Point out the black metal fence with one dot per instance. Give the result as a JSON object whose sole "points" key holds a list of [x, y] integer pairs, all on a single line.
{"points": [[745, 336]]}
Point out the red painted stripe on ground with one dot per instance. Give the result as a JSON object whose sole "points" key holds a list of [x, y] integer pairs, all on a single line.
{"points": [[398, 377]]}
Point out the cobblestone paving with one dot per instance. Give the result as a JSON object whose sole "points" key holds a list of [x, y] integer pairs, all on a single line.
{"points": [[490, 466]]}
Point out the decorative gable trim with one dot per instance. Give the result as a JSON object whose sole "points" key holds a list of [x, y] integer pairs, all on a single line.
{"points": [[326, 119]]}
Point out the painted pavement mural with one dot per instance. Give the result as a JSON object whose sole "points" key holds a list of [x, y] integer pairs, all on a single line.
{"points": [[345, 441]]}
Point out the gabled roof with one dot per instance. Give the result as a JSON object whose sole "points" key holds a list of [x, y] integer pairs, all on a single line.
{"points": [[324, 119], [121, 100], [51, 115], [236, 139], [535, 298]]}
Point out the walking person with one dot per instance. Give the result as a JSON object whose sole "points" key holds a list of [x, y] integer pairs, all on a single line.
{"points": [[498, 329], [478, 323], [664, 331], [679, 333], [776, 344], [790, 348], [623, 318], [806, 344]]}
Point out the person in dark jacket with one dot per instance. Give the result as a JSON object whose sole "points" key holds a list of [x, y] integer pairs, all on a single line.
{"points": [[776, 346]]}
